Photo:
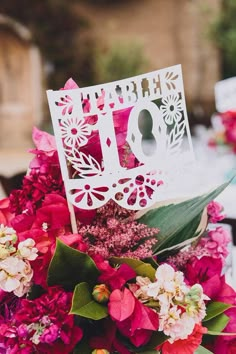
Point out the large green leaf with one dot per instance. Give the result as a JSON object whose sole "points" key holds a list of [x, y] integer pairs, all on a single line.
{"points": [[141, 268], [69, 267], [202, 350], [84, 305], [178, 222], [217, 324], [214, 309]]}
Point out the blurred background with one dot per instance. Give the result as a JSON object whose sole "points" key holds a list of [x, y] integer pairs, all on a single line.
{"points": [[45, 42]]}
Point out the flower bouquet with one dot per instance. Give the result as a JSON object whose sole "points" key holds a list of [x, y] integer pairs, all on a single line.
{"points": [[126, 281], [225, 133]]}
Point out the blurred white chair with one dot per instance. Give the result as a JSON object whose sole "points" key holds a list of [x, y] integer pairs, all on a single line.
{"points": [[225, 94]]}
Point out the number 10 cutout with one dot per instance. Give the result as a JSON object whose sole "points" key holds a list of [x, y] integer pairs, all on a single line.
{"points": [[102, 134]]}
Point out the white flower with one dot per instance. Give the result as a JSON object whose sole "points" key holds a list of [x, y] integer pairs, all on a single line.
{"points": [[172, 108], [15, 275], [168, 281], [27, 250], [178, 328], [74, 132], [7, 234]]}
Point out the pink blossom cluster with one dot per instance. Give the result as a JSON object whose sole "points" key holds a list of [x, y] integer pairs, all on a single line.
{"points": [[216, 243], [214, 210], [229, 122], [227, 135]]}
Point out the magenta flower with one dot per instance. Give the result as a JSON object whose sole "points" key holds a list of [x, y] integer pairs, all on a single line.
{"points": [[133, 319], [5, 214], [207, 272], [213, 210], [107, 338], [44, 324], [227, 344], [46, 150], [118, 277]]}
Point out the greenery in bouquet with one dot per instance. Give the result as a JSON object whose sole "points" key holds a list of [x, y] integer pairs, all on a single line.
{"points": [[127, 282], [226, 133]]}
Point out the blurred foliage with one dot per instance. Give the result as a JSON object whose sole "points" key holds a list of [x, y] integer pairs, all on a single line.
{"points": [[120, 61], [223, 32], [54, 26]]}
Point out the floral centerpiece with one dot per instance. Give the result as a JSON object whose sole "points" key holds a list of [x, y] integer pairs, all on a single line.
{"points": [[126, 282], [225, 134]]}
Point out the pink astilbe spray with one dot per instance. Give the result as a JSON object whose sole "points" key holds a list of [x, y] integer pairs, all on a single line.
{"points": [[116, 233], [215, 244]]}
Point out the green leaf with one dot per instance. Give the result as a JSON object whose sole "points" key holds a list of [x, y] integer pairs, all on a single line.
{"points": [[217, 324], [69, 267], [84, 305], [202, 350], [141, 268], [178, 222], [214, 309]]}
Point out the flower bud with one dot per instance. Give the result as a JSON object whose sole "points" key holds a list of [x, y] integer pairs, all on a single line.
{"points": [[100, 351], [101, 293], [195, 293]]}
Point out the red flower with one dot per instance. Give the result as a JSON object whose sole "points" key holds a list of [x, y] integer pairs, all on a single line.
{"points": [[5, 214], [34, 188], [185, 346], [51, 221]]}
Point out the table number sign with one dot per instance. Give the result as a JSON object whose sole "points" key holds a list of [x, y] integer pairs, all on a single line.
{"points": [[97, 162]]}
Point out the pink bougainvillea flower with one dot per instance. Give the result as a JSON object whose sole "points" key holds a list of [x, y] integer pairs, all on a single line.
{"points": [[46, 150], [227, 344], [140, 325], [121, 304], [133, 319], [185, 346], [53, 214], [5, 214], [115, 278], [207, 272]]}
